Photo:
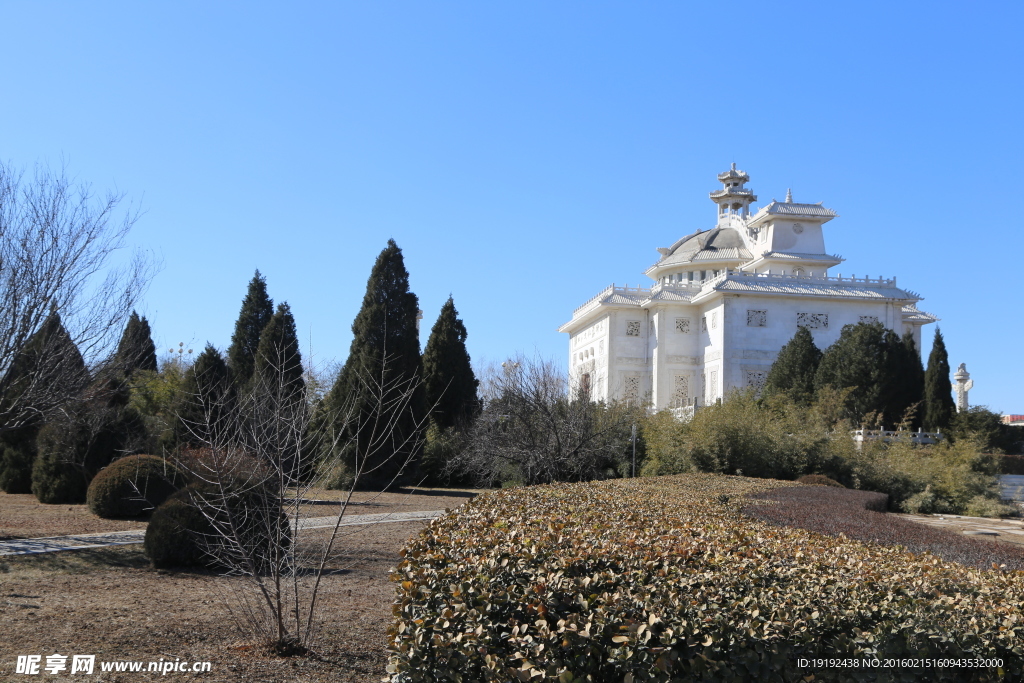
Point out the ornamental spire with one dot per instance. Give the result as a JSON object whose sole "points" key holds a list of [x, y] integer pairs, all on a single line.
{"points": [[789, 196]]}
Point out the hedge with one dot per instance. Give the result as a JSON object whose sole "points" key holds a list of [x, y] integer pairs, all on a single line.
{"points": [[663, 579], [133, 486]]}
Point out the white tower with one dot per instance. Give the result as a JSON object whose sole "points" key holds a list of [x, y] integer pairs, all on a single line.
{"points": [[964, 383]]}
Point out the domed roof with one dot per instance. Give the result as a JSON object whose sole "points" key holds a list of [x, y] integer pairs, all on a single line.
{"points": [[719, 244]]}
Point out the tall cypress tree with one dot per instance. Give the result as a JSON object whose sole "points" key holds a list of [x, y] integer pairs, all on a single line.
{"points": [[136, 350], [912, 389], [257, 310], [793, 371], [939, 407], [49, 356], [379, 384], [448, 379], [276, 398], [278, 362], [207, 401]]}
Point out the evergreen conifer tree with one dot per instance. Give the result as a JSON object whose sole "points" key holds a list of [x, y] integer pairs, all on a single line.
{"points": [[205, 411], [49, 356], [278, 362], [448, 379], [793, 371], [257, 310], [859, 360], [939, 407], [383, 364], [275, 403], [136, 350], [912, 387]]}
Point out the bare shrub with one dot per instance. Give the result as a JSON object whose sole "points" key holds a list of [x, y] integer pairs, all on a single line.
{"points": [[533, 430]]}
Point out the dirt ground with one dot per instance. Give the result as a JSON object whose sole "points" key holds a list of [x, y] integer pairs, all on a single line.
{"points": [[22, 516], [108, 602]]}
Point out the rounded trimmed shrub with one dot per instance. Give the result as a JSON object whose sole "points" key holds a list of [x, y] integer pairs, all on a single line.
{"points": [[133, 486], [177, 533], [181, 533], [819, 480]]}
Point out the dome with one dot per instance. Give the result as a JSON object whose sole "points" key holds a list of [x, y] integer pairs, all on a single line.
{"points": [[719, 244]]}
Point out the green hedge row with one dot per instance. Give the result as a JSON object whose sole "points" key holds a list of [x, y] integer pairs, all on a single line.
{"points": [[663, 579]]}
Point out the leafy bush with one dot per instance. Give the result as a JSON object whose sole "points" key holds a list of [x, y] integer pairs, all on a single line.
{"points": [[986, 506], [775, 438], [57, 476], [132, 486], [204, 526], [818, 480], [662, 579], [942, 478], [781, 438]]}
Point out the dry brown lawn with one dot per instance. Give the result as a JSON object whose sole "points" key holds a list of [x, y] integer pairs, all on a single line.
{"points": [[108, 602]]}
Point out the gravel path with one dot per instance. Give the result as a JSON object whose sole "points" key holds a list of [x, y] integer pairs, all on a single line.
{"points": [[28, 546]]}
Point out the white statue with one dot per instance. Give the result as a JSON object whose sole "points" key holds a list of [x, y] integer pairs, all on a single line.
{"points": [[964, 383]]}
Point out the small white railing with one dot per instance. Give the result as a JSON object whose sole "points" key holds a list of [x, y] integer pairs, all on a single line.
{"points": [[739, 275], [918, 437]]}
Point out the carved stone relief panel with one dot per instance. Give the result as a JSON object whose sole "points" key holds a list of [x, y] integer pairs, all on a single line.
{"points": [[712, 355], [812, 321], [681, 389], [692, 360], [632, 328], [869, 319], [683, 325], [757, 318], [632, 389], [703, 323]]}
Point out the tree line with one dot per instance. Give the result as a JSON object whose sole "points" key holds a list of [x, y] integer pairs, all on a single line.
{"points": [[885, 381], [126, 404]]}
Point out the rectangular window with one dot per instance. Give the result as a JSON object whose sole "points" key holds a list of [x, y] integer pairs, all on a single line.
{"points": [[812, 321], [755, 378], [757, 318]]}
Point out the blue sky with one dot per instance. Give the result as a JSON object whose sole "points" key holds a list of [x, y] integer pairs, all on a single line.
{"points": [[526, 154]]}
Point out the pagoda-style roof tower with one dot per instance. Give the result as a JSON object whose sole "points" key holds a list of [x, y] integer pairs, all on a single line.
{"points": [[733, 198]]}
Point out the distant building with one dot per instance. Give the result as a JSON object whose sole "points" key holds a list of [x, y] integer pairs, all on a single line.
{"points": [[1013, 420], [723, 302]]}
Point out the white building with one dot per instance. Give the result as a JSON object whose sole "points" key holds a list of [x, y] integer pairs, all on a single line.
{"points": [[723, 302]]}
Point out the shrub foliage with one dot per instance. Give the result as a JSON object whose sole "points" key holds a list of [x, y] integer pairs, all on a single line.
{"points": [[664, 580], [133, 486]]}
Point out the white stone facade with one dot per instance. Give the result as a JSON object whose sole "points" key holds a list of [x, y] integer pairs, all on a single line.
{"points": [[722, 304]]}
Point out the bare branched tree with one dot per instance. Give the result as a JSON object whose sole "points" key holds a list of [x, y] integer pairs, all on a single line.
{"points": [[257, 471], [57, 245], [536, 429]]}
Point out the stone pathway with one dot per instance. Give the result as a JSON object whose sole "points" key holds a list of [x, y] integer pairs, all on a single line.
{"points": [[29, 546], [998, 530]]}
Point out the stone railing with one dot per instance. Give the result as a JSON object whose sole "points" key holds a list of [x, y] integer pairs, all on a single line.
{"points": [[919, 437], [740, 275]]}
